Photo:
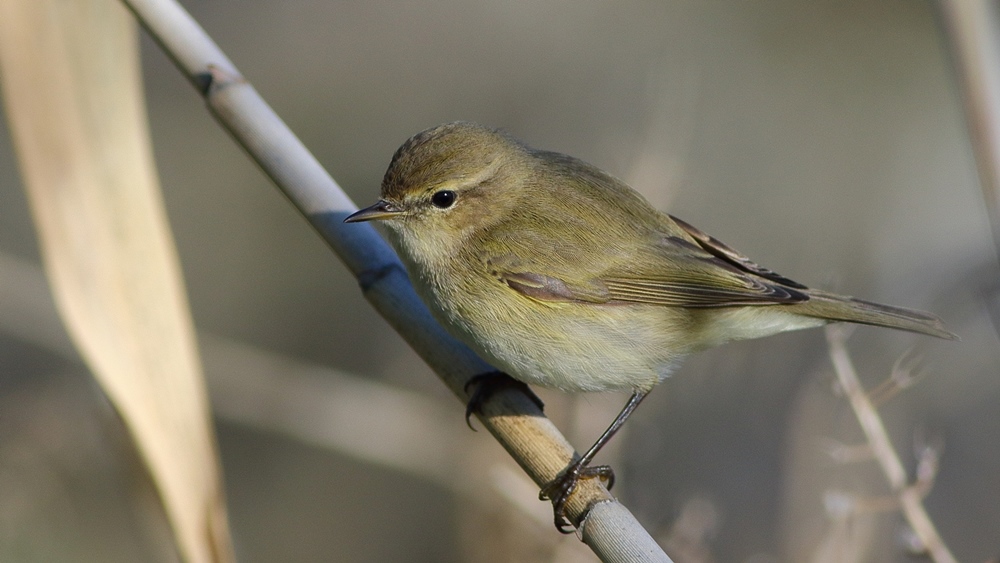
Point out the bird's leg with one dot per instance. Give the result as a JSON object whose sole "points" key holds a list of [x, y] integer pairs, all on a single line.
{"points": [[559, 489], [489, 383]]}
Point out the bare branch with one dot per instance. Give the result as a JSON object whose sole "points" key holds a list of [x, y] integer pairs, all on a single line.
{"points": [[910, 497]]}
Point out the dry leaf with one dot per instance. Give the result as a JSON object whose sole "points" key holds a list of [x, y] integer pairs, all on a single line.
{"points": [[71, 82]]}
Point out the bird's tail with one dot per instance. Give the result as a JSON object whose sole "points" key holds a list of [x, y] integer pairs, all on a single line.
{"points": [[841, 308]]}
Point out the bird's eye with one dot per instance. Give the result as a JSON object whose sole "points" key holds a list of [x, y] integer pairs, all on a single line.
{"points": [[443, 199]]}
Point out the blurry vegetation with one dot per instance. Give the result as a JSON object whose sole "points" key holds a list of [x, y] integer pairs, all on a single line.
{"points": [[823, 139]]}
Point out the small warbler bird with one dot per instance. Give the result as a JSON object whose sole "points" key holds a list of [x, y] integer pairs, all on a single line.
{"points": [[561, 275]]}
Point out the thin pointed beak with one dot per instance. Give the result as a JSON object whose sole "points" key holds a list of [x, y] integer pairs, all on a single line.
{"points": [[381, 210]]}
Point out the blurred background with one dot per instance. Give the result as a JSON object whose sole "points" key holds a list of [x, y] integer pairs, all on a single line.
{"points": [[823, 139]]}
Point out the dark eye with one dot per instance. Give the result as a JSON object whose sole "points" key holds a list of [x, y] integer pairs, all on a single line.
{"points": [[443, 199]]}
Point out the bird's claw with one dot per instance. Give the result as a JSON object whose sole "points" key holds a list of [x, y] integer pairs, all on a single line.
{"points": [[561, 488], [486, 384]]}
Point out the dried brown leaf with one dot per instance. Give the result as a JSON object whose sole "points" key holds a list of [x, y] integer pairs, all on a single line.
{"points": [[73, 94]]}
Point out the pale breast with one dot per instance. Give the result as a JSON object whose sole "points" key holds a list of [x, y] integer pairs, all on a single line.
{"points": [[569, 346]]}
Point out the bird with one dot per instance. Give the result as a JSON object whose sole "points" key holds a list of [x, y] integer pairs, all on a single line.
{"points": [[562, 276]]}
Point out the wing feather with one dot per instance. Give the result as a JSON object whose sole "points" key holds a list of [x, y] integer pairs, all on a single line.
{"points": [[644, 256], [672, 274]]}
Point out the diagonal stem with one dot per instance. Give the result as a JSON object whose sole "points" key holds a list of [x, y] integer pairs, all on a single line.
{"points": [[516, 422], [871, 424]]}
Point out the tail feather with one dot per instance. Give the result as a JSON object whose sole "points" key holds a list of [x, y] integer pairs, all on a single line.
{"points": [[841, 308]]}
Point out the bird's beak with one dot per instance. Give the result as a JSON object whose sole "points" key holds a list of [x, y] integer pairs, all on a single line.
{"points": [[381, 210]]}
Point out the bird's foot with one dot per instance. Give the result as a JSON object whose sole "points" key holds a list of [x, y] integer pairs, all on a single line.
{"points": [[561, 488], [486, 384]]}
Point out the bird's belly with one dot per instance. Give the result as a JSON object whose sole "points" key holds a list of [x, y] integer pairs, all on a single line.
{"points": [[570, 346]]}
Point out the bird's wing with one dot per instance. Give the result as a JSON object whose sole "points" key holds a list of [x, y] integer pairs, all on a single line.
{"points": [[724, 252], [679, 267]]}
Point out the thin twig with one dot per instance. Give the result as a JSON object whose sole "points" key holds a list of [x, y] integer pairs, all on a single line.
{"points": [[905, 373], [910, 497]]}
